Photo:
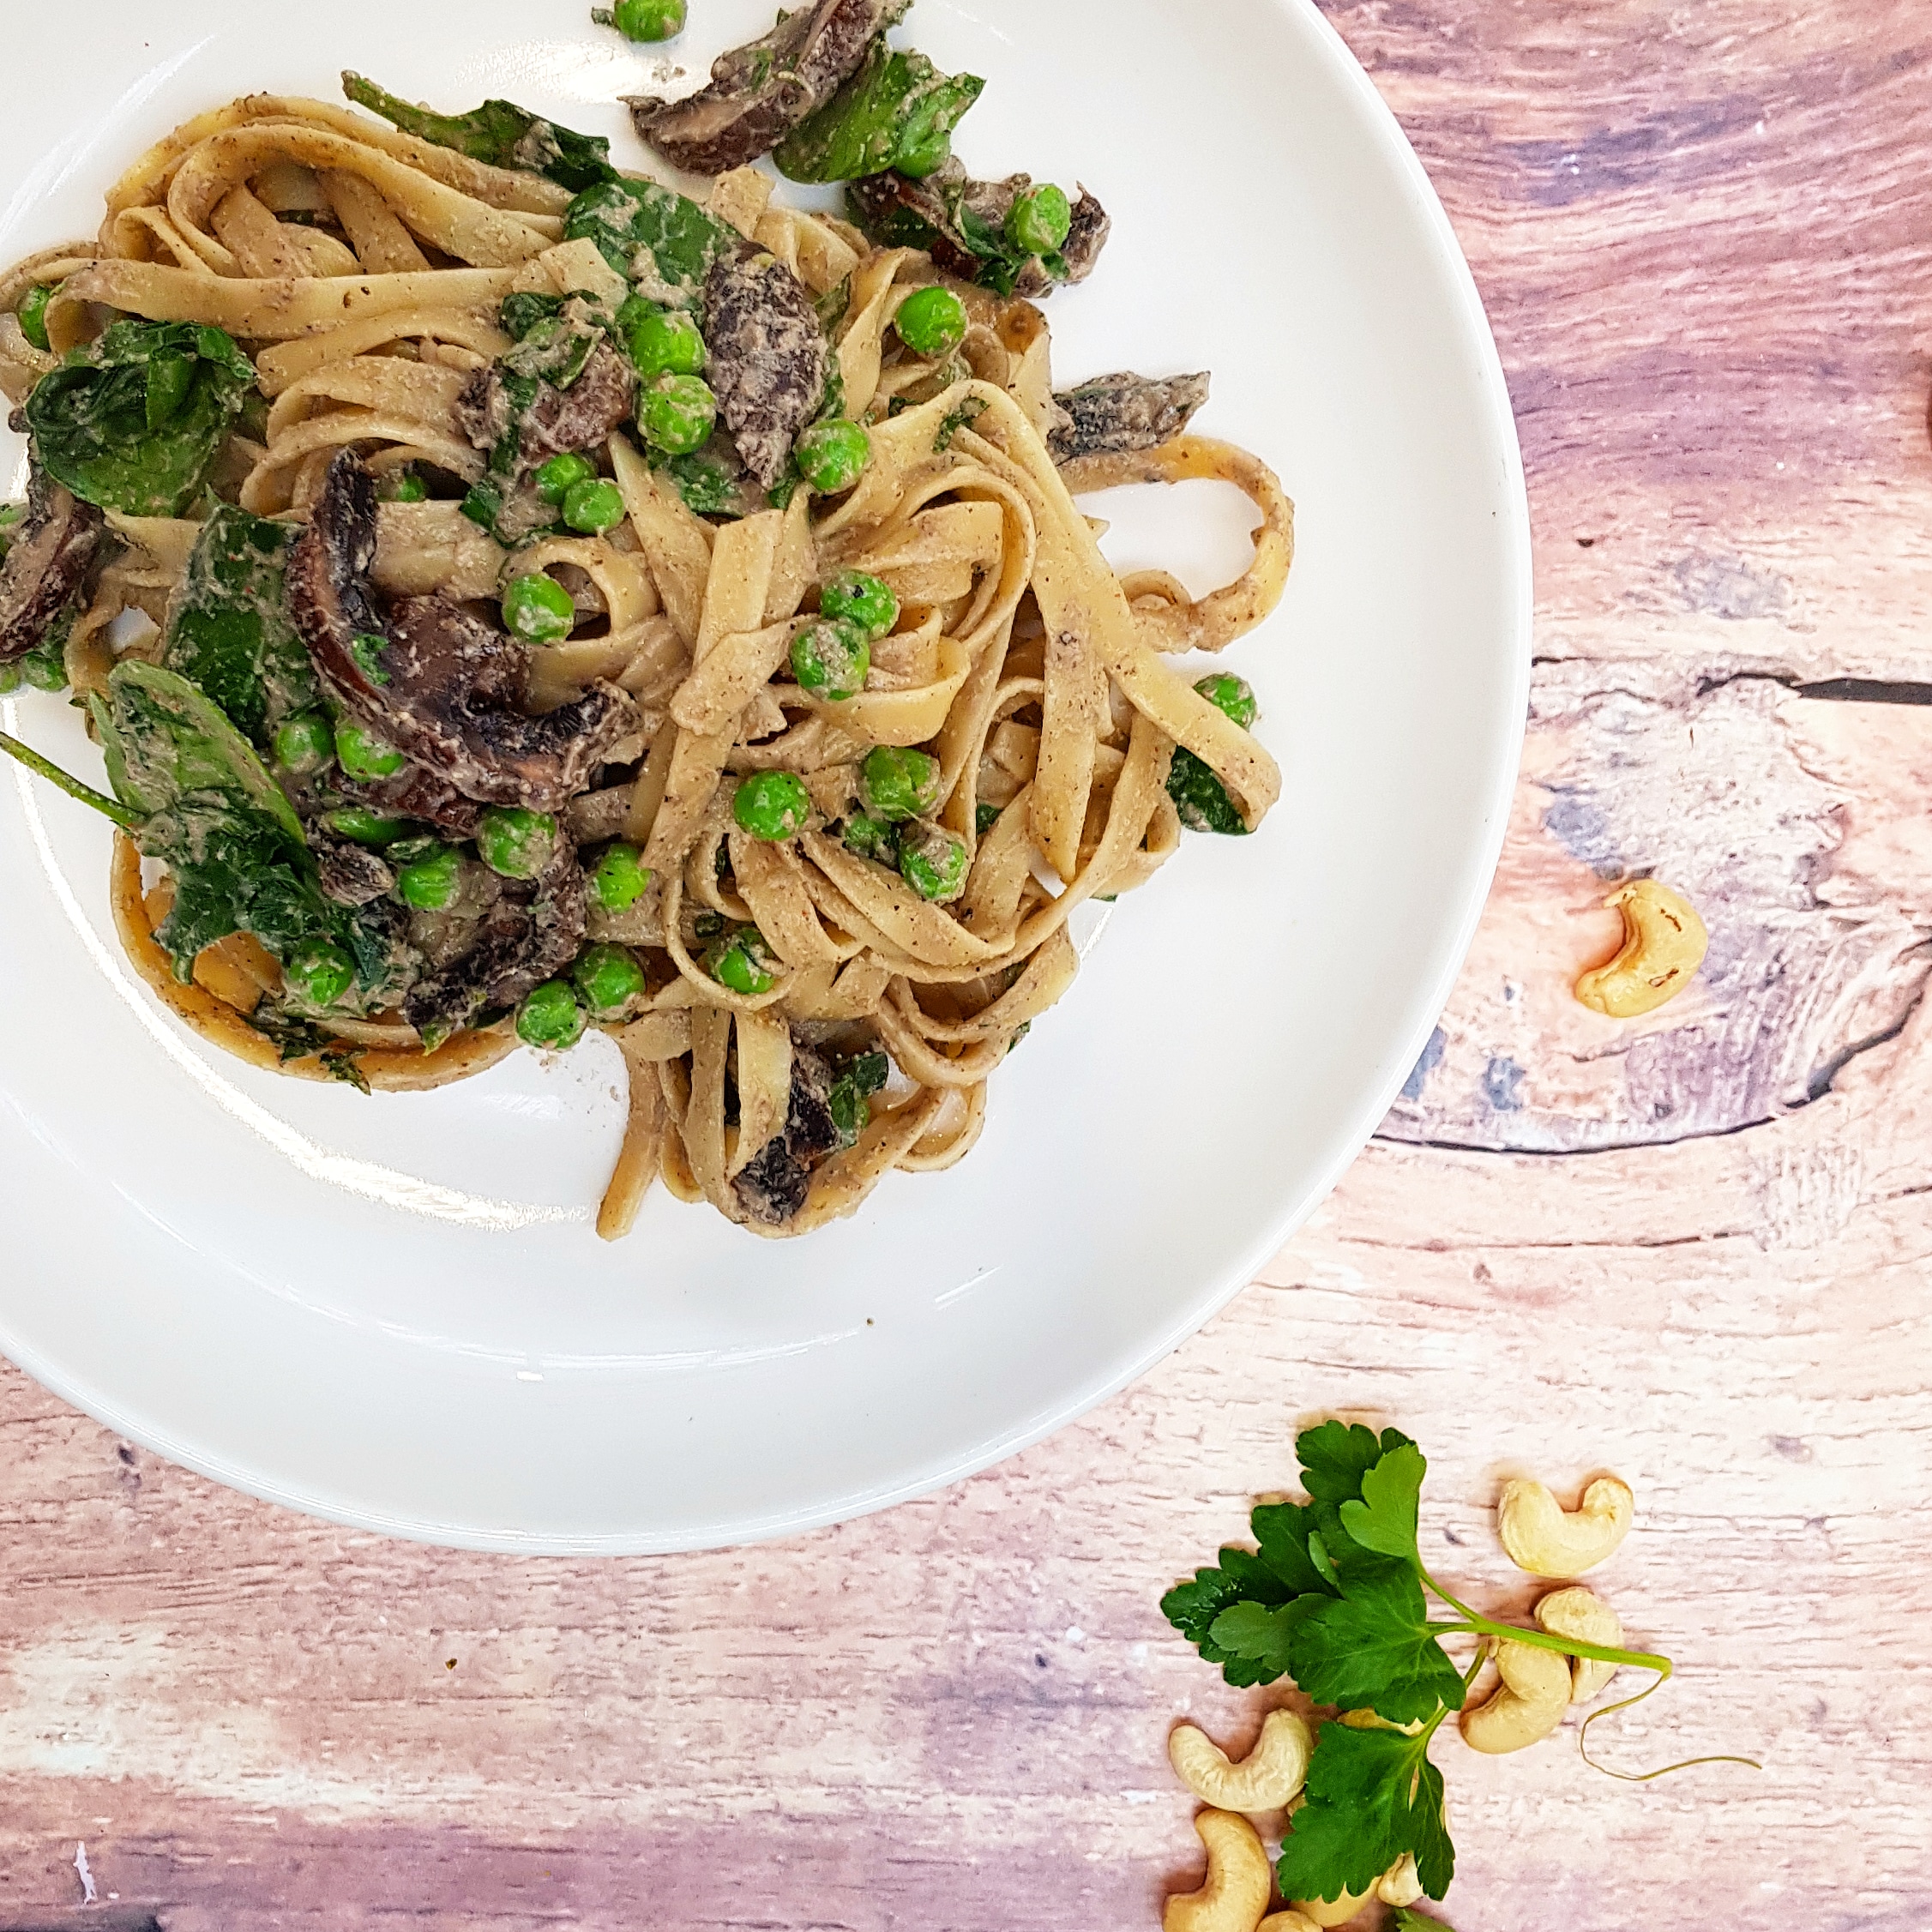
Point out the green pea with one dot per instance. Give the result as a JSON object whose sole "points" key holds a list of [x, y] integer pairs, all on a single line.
{"points": [[642, 20], [860, 599], [931, 322], [873, 837], [558, 478], [677, 413], [550, 1017], [1235, 697], [619, 880], [933, 863], [771, 805], [539, 610], [831, 659], [899, 784], [609, 978], [742, 961], [1040, 221], [665, 342], [364, 826], [319, 973], [305, 742], [594, 506], [32, 314], [832, 455], [515, 841], [364, 755], [406, 487], [432, 883]]}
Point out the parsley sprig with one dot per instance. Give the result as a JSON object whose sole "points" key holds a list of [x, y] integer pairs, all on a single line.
{"points": [[1335, 1596]]}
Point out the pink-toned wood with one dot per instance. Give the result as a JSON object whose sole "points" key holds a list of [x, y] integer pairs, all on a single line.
{"points": [[1697, 1250]]}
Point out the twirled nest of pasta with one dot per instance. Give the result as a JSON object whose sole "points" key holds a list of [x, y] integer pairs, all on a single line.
{"points": [[365, 273]]}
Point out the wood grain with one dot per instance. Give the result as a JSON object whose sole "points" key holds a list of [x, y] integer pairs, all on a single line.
{"points": [[1695, 1249]]}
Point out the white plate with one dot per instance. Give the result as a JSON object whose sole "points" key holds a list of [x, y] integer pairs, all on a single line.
{"points": [[394, 1312]]}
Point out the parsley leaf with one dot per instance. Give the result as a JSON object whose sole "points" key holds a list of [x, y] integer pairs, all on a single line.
{"points": [[1374, 1649], [1194, 1607], [1383, 1518], [1408, 1919], [1372, 1794]]}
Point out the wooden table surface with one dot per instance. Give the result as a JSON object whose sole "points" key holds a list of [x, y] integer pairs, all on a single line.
{"points": [[1694, 1249]]}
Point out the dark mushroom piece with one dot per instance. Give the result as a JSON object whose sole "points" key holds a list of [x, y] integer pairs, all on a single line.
{"points": [[581, 417], [413, 792], [1113, 415], [758, 94], [351, 874], [768, 355], [529, 932], [47, 564], [431, 677], [773, 1184], [961, 223]]}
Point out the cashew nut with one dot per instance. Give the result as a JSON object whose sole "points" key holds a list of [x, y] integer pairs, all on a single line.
{"points": [[1326, 1912], [1401, 1884], [1264, 1780], [1239, 1879], [1545, 1539], [1664, 944], [1289, 1920], [1582, 1613], [1528, 1706]]}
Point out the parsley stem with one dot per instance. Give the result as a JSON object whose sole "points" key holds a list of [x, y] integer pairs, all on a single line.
{"points": [[109, 808], [1479, 1625]]}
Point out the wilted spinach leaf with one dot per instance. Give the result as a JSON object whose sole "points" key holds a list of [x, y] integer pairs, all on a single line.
{"points": [[624, 216], [498, 132], [898, 112], [133, 421], [229, 632]]}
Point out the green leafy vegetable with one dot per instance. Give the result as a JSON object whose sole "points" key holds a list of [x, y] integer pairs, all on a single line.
{"points": [[229, 632], [1408, 1919], [1372, 1794], [897, 111], [133, 421], [1201, 799], [933, 215], [623, 217], [709, 486], [863, 1077], [963, 418], [1336, 1597], [498, 132]]}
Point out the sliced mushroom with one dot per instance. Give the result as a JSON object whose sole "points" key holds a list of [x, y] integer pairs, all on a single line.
{"points": [[529, 931], [774, 1183], [352, 875], [46, 565], [1114, 414], [768, 355], [413, 792], [581, 417], [758, 94], [430, 677], [928, 213]]}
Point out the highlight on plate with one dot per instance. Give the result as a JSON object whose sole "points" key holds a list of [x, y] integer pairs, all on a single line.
{"points": [[511, 596]]}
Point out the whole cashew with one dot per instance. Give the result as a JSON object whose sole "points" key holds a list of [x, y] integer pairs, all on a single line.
{"points": [[1664, 944], [1582, 1613], [1326, 1912], [1401, 1884], [1239, 1879], [1264, 1780], [1547, 1540], [1289, 1920], [1529, 1705]]}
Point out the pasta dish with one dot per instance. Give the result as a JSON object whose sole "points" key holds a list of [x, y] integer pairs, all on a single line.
{"points": [[514, 597]]}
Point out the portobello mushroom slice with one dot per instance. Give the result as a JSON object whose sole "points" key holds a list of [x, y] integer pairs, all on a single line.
{"points": [[759, 92], [430, 677], [47, 564], [961, 223], [1113, 415], [528, 933], [768, 356], [773, 1185], [581, 417], [351, 874]]}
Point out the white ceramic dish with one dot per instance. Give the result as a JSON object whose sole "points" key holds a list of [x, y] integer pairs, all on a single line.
{"points": [[394, 1312]]}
